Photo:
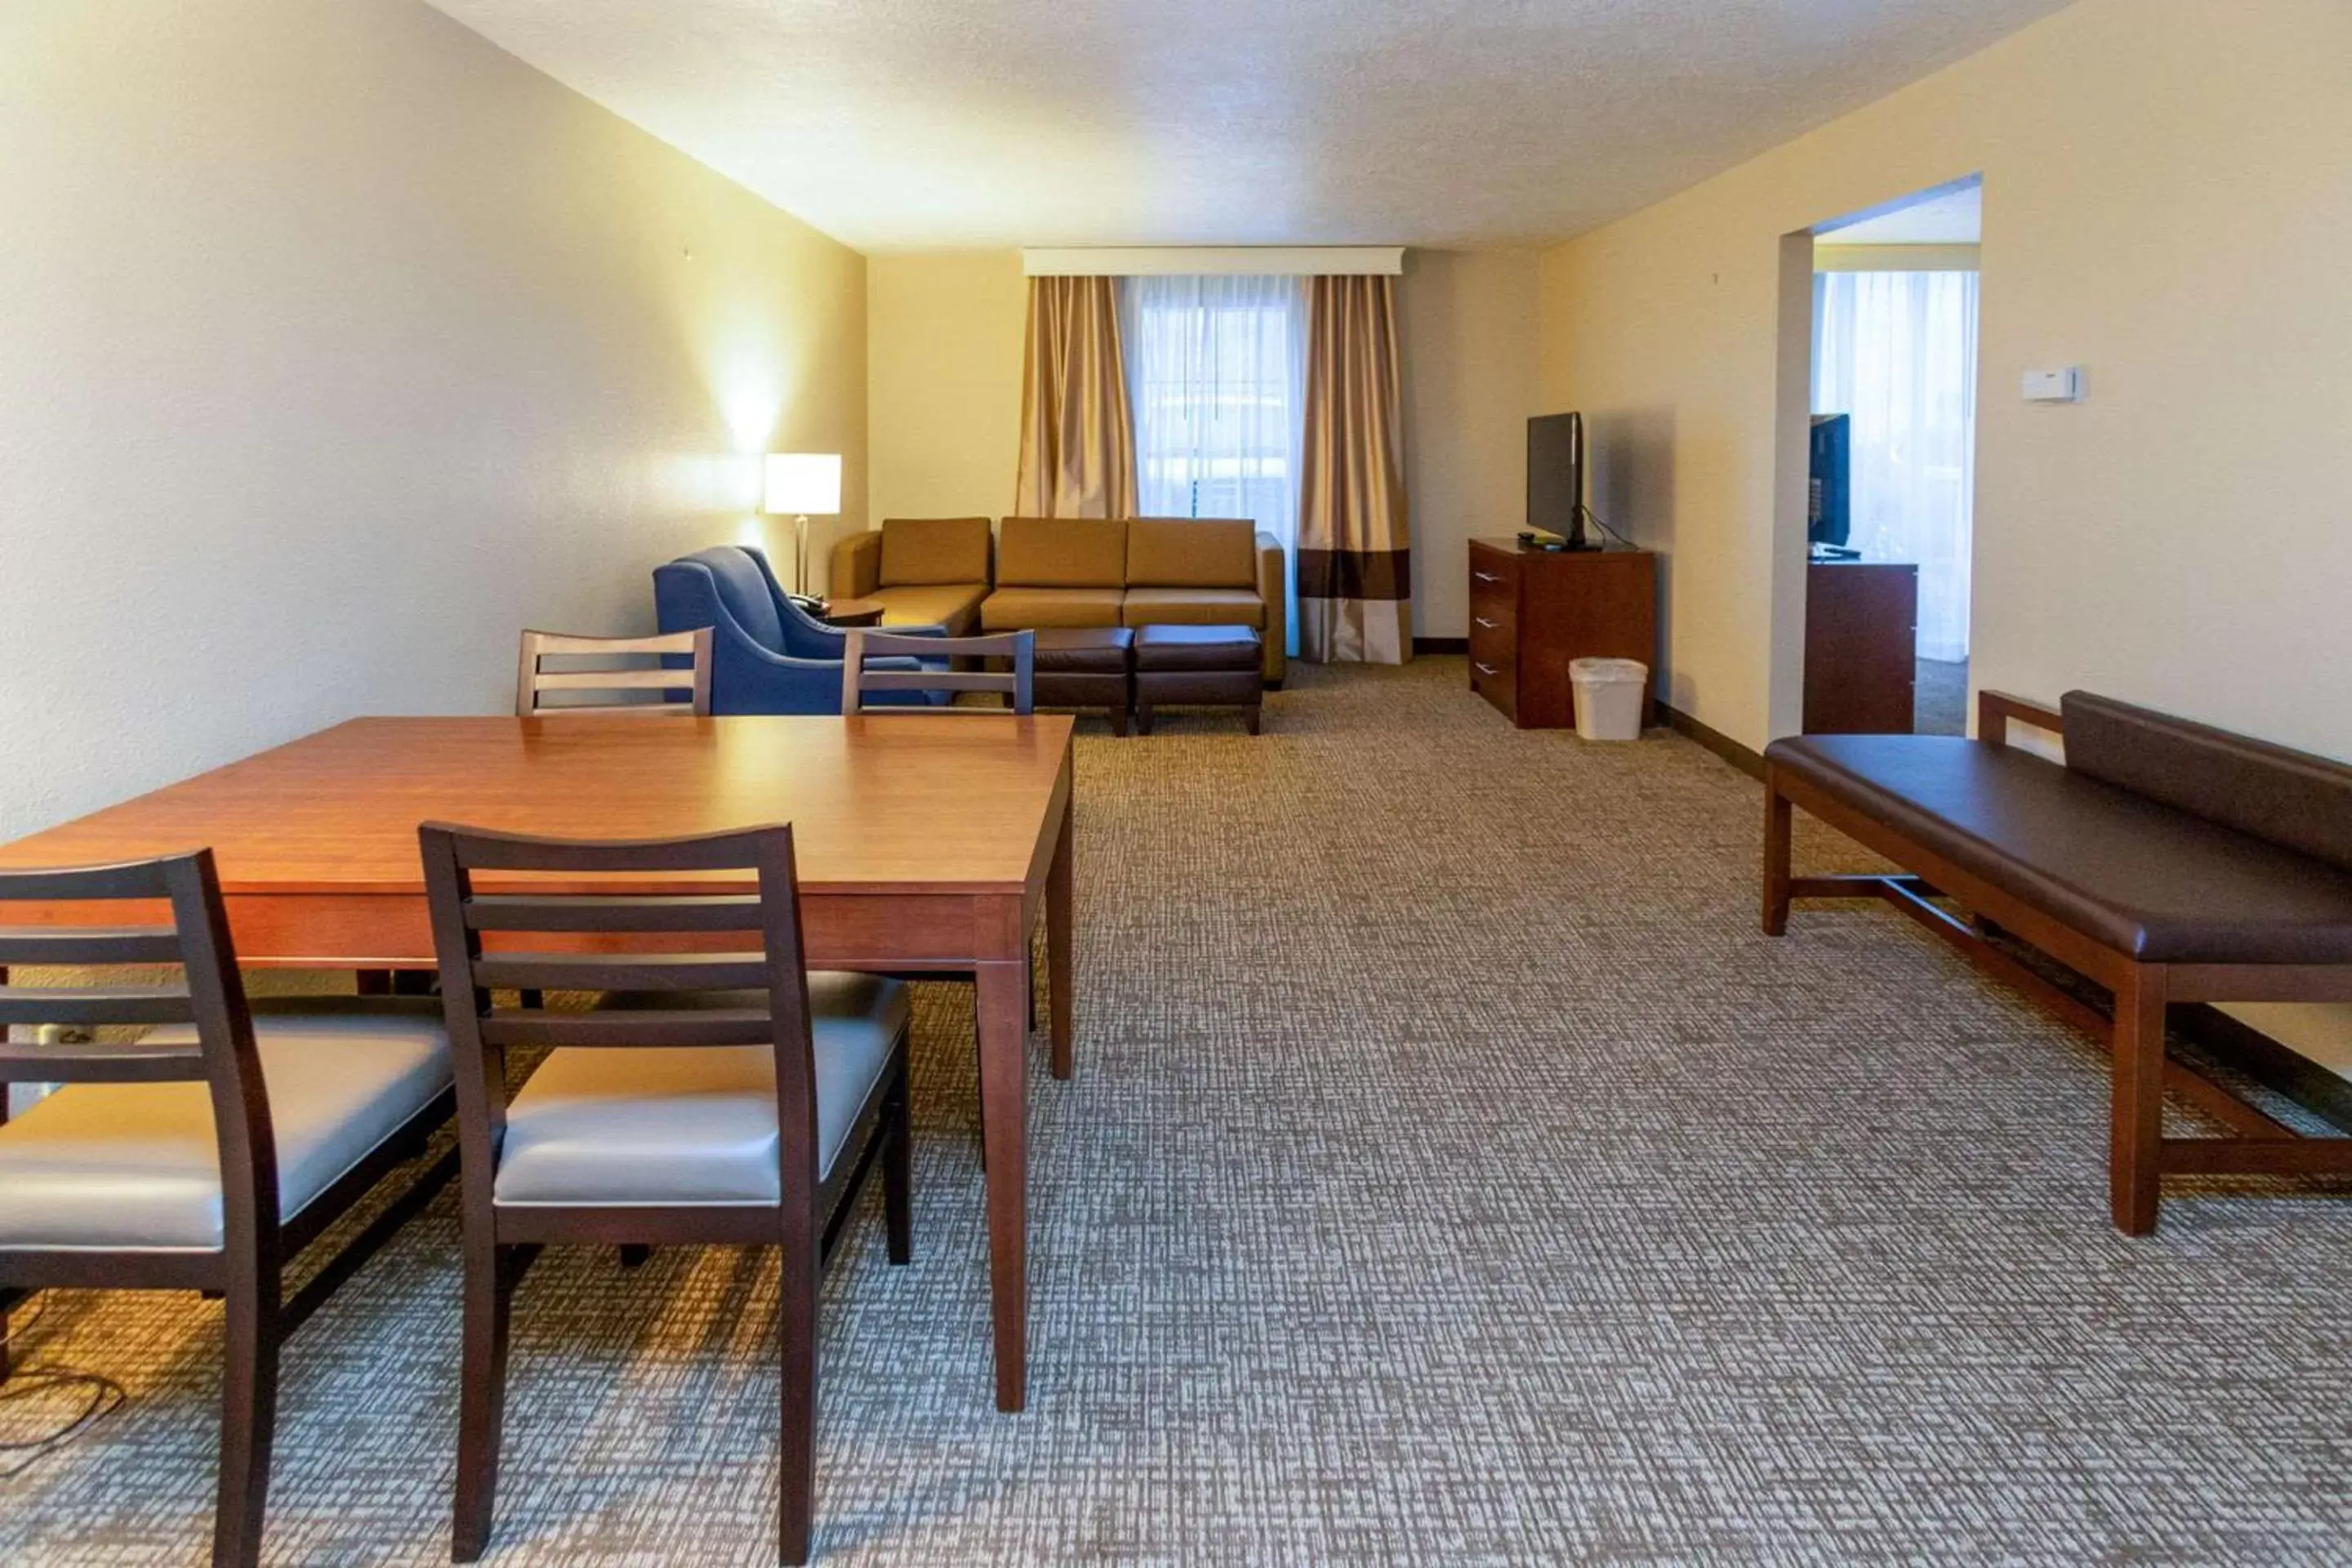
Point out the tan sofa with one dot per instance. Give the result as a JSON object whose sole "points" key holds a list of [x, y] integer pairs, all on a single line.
{"points": [[1151, 571], [922, 571]]}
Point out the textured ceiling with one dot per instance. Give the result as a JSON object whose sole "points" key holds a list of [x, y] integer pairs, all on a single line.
{"points": [[921, 123]]}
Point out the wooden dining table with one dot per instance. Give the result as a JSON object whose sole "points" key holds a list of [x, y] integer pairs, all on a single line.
{"points": [[926, 842]]}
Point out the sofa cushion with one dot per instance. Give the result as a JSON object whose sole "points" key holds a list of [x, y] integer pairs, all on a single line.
{"points": [[1193, 607], [1021, 609], [1192, 553], [100, 1165], [955, 605], [693, 1124], [2291, 798], [917, 551], [1062, 553], [2139, 877]]}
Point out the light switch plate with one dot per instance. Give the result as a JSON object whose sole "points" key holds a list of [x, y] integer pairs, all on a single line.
{"points": [[2064, 385]]}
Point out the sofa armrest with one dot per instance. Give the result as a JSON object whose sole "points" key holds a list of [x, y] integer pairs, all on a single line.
{"points": [[1273, 586], [857, 564]]}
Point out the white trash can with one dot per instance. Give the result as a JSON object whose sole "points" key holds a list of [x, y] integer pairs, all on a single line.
{"points": [[1609, 696]]}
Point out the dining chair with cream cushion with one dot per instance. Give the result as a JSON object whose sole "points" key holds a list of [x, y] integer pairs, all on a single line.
{"points": [[206, 1153], [736, 1100]]}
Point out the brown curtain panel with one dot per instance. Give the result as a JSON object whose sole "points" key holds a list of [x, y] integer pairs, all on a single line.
{"points": [[1077, 436], [1355, 556]]}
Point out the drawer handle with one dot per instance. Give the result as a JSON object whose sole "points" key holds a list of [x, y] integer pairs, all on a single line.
{"points": [[1485, 576], [1483, 669], [1484, 622]]}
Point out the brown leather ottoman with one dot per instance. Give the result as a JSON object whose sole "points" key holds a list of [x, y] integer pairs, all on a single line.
{"points": [[1209, 667], [1085, 667]]}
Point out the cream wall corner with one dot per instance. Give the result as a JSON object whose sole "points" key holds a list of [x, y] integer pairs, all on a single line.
{"points": [[2165, 201], [944, 336], [1467, 324]]}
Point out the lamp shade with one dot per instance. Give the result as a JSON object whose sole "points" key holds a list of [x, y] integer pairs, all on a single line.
{"points": [[803, 483]]}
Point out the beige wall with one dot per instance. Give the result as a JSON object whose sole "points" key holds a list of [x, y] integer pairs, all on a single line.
{"points": [[944, 332], [2167, 202], [1467, 323], [338, 347]]}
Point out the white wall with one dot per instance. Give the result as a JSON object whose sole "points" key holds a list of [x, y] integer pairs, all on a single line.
{"points": [[336, 347]]}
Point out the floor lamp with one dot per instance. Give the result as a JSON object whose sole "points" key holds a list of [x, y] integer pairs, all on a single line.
{"points": [[801, 485]]}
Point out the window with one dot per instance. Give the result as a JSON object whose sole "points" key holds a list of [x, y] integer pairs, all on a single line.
{"points": [[1217, 376], [1897, 350]]}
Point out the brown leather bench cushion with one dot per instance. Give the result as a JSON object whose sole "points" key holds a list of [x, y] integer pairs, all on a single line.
{"points": [[2292, 798], [2133, 874]]}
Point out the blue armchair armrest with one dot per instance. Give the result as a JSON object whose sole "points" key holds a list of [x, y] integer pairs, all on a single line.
{"points": [[767, 656]]}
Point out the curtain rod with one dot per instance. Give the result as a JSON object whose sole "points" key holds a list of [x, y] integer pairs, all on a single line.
{"points": [[1213, 260]]}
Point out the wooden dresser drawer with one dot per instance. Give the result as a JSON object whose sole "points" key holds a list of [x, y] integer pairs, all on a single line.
{"points": [[1494, 578], [1496, 681], [1496, 621]]}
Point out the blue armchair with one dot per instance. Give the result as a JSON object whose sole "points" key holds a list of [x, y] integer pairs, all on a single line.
{"points": [[768, 655]]}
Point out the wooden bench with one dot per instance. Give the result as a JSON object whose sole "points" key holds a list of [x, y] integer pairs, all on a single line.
{"points": [[2166, 860]]}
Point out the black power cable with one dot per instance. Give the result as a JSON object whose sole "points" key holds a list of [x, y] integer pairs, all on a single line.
{"points": [[105, 1397]]}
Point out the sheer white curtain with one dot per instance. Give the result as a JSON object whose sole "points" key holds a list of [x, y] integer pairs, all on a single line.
{"points": [[1897, 350], [1216, 370]]}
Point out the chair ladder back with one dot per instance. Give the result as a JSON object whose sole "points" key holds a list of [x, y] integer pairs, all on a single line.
{"points": [[755, 945], [654, 683], [1017, 682], [211, 998]]}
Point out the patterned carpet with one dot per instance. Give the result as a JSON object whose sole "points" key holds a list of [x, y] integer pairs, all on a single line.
{"points": [[1940, 700], [1453, 1175]]}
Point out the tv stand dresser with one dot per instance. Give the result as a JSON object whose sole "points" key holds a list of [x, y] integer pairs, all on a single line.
{"points": [[1531, 611]]}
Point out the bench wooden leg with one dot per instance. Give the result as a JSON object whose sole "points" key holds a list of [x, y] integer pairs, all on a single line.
{"points": [[2135, 1155], [1776, 860]]}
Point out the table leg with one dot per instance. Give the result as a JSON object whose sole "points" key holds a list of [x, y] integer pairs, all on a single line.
{"points": [[1060, 912], [1003, 1013]]}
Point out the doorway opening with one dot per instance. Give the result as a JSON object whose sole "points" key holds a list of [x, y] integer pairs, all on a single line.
{"points": [[1891, 464]]}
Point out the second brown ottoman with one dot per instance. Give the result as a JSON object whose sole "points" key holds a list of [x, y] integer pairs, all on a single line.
{"points": [[1084, 667], [1214, 667]]}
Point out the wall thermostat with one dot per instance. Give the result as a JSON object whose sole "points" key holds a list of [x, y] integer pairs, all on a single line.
{"points": [[2055, 386]]}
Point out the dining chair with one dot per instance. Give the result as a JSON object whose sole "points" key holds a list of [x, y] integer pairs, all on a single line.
{"points": [[661, 688], [206, 1153], [1017, 683], [667, 1121]]}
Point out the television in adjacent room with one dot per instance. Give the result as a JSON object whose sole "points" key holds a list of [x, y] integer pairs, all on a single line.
{"points": [[1556, 477], [1829, 513]]}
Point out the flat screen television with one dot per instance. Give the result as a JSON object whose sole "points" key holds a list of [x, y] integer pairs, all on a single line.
{"points": [[1829, 515], [1556, 477]]}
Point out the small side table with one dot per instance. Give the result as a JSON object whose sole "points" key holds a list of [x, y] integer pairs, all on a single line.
{"points": [[853, 613]]}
